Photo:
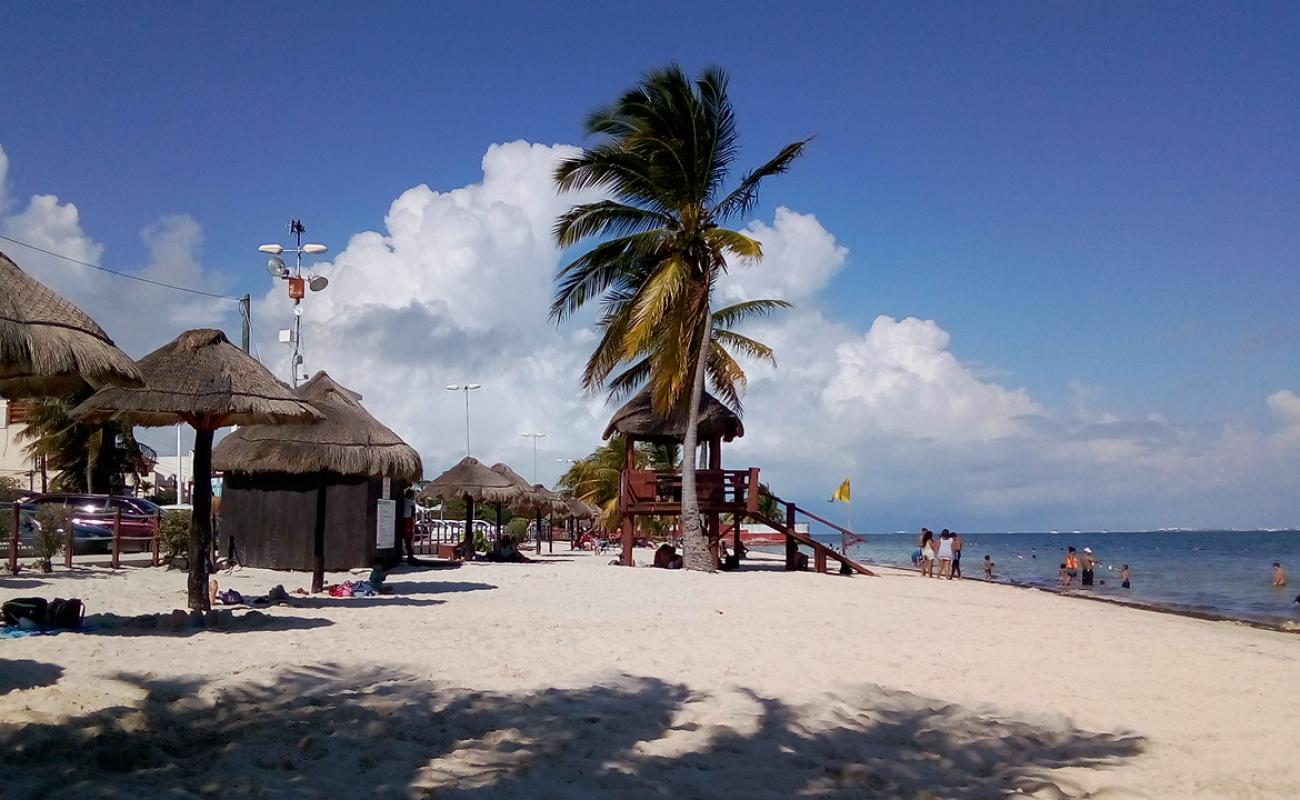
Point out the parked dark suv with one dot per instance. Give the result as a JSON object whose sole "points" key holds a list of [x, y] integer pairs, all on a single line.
{"points": [[92, 519]]}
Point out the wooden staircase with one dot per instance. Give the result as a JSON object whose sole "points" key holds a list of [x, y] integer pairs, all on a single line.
{"points": [[822, 554]]}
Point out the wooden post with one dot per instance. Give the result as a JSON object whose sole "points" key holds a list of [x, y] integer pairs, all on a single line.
{"points": [[791, 546], [467, 548], [13, 539], [117, 538], [318, 536], [628, 540], [157, 536], [69, 541]]}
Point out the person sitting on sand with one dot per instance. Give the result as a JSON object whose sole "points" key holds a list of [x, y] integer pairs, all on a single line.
{"points": [[666, 557], [988, 568], [945, 554], [1279, 574], [1124, 576]]}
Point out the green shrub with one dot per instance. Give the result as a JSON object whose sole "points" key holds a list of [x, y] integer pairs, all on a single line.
{"points": [[174, 535], [516, 530], [48, 538]]}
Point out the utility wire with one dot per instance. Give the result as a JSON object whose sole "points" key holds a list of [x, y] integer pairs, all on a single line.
{"points": [[119, 273]]}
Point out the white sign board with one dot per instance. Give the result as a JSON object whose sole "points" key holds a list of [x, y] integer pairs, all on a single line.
{"points": [[386, 524]]}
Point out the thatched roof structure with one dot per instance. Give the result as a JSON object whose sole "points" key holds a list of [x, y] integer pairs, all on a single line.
{"points": [[554, 504], [638, 419], [348, 441], [579, 509], [50, 347], [202, 379], [470, 478], [527, 500]]}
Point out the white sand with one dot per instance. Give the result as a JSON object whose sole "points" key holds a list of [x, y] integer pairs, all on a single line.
{"points": [[574, 679]]}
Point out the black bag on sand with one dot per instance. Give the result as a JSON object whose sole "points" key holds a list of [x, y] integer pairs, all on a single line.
{"points": [[65, 614], [34, 608]]}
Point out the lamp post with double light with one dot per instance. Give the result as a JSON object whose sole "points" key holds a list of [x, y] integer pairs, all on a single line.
{"points": [[297, 286], [466, 388], [534, 437]]}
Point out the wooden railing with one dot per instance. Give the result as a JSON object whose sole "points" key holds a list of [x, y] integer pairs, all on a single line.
{"points": [[731, 488], [789, 515], [22, 542]]}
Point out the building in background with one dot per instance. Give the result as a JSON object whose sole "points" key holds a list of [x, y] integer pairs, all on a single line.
{"points": [[14, 463]]}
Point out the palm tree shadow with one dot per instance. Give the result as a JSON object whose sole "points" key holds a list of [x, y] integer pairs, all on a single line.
{"points": [[328, 730], [20, 674]]}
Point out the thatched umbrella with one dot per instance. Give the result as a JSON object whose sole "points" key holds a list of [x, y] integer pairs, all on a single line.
{"points": [[526, 501], [578, 510], [203, 380], [347, 441], [48, 346], [476, 483], [552, 504], [637, 420]]}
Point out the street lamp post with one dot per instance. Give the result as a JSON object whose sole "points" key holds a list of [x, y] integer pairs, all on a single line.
{"points": [[466, 388], [297, 285], [534, 437]]}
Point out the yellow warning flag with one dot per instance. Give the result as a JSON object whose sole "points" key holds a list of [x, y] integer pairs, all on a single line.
{"points": [[842, 493]]}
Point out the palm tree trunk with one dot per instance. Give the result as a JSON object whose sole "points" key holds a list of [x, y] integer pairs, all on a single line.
{"points": [[695, 544], [318, 536], [201, 520]]}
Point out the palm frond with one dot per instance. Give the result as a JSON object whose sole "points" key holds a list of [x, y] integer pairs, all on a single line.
{"points": [[606, 218], [743, 344], [742, 200], [738, 312]]}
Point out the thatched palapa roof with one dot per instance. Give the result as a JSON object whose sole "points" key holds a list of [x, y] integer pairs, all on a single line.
{"points": [[554, 504], [48, 346], [470, 478], [527, 500], [201, 379], [638, 419], [348, 441], [579, 509]]}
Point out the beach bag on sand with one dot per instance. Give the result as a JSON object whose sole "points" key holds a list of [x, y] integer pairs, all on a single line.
{"points": [[35, 609], [66, 614]]}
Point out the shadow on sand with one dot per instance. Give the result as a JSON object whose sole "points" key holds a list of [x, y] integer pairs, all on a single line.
{"points": [[24, 674], [438, 587], [113, 625], [327, 731]]}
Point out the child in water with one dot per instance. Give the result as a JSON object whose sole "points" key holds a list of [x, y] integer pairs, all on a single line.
{"points": [[1279, 574], [988, 568], [1124, 576], [1064, 576]]}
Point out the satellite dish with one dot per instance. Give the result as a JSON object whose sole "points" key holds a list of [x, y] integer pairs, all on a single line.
{"points": [[275, 266], [318, 283]]}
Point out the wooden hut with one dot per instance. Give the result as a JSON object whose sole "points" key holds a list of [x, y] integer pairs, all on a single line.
{"points": [[277, 477]]}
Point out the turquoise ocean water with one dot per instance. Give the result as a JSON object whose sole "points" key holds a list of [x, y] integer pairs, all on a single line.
{"points": [[1216, 572]]}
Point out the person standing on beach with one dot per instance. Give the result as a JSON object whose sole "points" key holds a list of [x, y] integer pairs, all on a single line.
{"points": [[1279, 574], [945, 554], [988, 568], [927, 553], [1071, 567], [956, 555], [1088, 563]]}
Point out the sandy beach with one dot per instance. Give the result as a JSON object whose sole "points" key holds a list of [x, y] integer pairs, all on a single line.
{"points": [[570, 678]]}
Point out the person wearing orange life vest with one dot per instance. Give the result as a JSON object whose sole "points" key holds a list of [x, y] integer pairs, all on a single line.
{"points": [[1071, 566]]}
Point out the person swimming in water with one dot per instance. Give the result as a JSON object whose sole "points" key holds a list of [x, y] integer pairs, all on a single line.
{"points": [[1279, 574]]}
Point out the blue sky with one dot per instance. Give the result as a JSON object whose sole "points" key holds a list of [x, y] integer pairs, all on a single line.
{"points": [[1087, 195]]}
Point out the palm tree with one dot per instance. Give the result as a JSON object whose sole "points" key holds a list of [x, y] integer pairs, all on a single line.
{"points": [[666, 152], [88, 457]]}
